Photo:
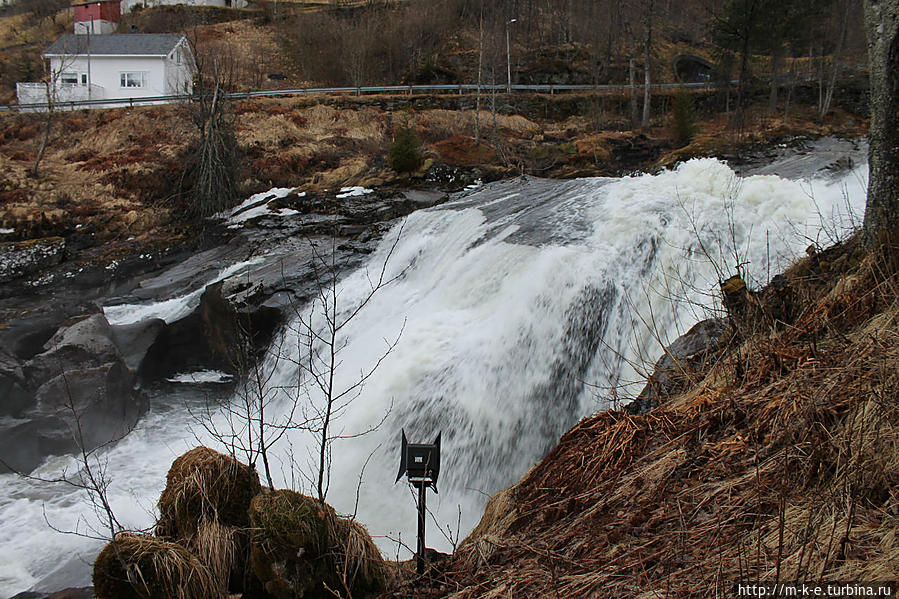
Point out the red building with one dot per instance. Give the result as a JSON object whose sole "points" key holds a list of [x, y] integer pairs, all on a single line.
{"points": [[96, 17]]}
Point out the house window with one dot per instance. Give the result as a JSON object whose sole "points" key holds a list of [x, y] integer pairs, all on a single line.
{"points": [[83, 78], [69, 78], [137, 79]]}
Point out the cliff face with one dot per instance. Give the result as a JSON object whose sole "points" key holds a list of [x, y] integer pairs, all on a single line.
{"points": [[780, 462]]}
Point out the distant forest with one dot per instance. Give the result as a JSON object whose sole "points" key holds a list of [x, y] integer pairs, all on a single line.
{"points": [[564, 41]]}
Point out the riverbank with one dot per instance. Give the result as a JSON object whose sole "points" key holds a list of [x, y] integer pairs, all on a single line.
{"points": [[774, 458], [111, 176]]}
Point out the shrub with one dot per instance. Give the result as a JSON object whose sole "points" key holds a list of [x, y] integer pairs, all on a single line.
{"points": [[403, 154], [684, 117]]}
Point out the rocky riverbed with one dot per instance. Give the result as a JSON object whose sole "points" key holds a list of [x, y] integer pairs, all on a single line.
{"points": [[81, 339]]}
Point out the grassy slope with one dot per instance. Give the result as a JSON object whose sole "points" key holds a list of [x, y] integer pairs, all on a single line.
{"points": [[115, 171], [781, 463]]}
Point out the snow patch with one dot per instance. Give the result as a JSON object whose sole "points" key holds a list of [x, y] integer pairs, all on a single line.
{"points": [[351, 192], [258, 205], [201, 377]]}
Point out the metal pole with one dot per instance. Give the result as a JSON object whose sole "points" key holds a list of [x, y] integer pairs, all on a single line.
{"points": [[420, 557], [89, 82], [509, 57]]}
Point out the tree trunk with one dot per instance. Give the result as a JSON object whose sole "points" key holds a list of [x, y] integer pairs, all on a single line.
{"points": [[48, 125], [882, 208], [775, 64], [632, 72], [477, 105], [832, 82], [647, 67]]}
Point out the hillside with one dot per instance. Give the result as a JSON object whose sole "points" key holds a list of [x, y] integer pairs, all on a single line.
{"points": [[274, 44], [778, 463], [113, 174]]}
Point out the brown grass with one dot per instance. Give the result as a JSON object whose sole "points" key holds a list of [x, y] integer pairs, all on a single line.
{"points": [[204, 485], [143, 567], [782, 464]]}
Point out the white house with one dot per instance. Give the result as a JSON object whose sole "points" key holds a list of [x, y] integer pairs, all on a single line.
{"points": [[128, 5], [106, 67]]}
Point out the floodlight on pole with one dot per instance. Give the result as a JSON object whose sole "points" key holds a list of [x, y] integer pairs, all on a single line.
{"points": [[420, 463]]}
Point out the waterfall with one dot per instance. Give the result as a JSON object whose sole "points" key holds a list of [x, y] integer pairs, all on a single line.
{"points": [[517, 308]]}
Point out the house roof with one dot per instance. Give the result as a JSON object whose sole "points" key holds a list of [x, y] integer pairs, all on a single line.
{"points": [[124, 44]]}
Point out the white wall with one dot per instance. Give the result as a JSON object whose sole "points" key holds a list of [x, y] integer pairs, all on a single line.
{"points": [[163, 77], [179, 70], [127, 5], [96, 27]]}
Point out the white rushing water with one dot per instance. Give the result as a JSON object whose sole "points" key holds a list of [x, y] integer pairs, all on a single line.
{"points": [[518, 307]]}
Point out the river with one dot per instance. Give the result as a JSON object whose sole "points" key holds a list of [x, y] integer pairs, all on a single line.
{"points": [[512, 311]]}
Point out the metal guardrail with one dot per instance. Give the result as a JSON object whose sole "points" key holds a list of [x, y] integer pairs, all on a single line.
{"points": [[369, 89]]}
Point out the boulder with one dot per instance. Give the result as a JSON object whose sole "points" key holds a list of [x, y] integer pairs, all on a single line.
{"points": [[78, 409], [14, 399], [85, 344], [216, 336], [205, 484], [208, 338], [77, 394], [134, 340], [300, 548], [205, 507], [682, 361], [290, 544]]}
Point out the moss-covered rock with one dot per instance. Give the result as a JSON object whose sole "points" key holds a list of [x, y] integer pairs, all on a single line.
{"points": [[206, 485], [300, 548], [205, 507], [290, 544], [137, 566]]}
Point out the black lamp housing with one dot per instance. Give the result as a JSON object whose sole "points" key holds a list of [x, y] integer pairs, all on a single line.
{"points": [[420, 462]]}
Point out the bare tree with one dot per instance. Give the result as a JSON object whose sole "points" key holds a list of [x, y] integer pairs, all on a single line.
{"points": [[319, 330], [647, 62], [52, 85], [827, 98], [209, 180]]}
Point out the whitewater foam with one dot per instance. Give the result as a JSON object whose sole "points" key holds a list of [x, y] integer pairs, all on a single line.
{"points": [[520, 307]]}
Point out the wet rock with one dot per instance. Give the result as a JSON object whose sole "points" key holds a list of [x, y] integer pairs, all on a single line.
{"points": [[134, 340], [215, 336], [73, 593], [77, 394], [14, 399], [22, 258], [84, 344], [682, 362], [78, 409]]}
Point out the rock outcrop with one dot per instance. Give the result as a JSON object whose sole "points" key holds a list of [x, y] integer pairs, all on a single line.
{"points": [[79, 393], [680, 364]]}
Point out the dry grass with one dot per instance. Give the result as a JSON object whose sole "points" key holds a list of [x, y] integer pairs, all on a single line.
{"points": [[782, 464], [143, 567], [205, 486], [357, 559]]}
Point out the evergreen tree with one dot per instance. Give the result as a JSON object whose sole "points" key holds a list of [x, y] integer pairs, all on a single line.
{"points": [[403, 154]]}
